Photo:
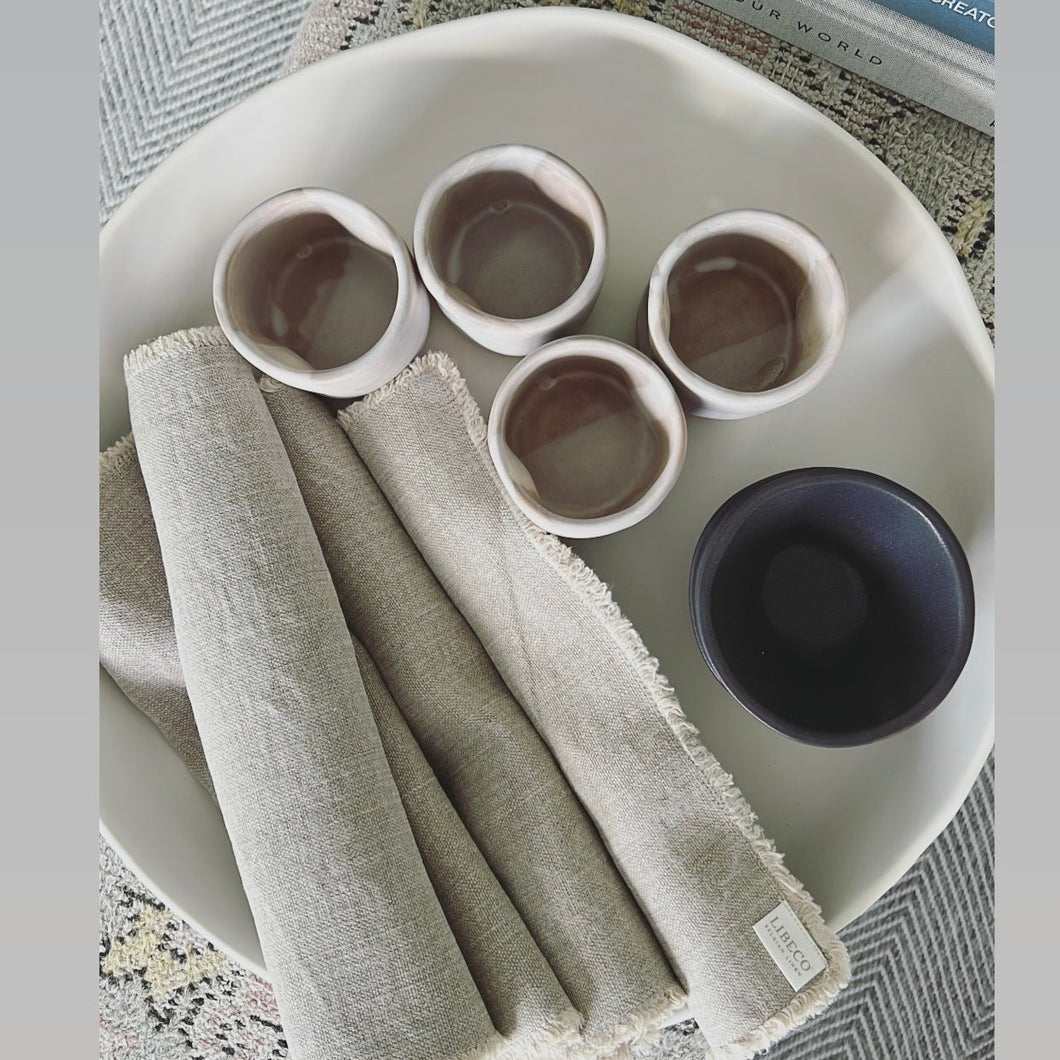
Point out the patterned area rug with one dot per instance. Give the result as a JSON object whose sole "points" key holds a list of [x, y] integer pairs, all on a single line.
{"points": [[922, 986]]}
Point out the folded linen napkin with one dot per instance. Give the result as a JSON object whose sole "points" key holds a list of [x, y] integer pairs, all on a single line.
{"points": [[138, 648], [681, 835], [349, 923], [551, 859], [499, 774], [524, 997], [137, 645], [741, 931]]}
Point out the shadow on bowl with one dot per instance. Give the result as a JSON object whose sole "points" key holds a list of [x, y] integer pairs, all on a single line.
{"points": [[834, 604]]}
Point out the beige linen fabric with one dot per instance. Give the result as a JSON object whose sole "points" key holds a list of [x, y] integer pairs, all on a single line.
{"points": [[139, 650], [523, 996], [499, 774], [137, 646], [409, 814], [680, 832], [363, 961]]}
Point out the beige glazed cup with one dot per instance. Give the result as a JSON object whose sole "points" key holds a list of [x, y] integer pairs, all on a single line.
{"points": [[745, 311], [511, 242], [319, 292], [587, 435]]}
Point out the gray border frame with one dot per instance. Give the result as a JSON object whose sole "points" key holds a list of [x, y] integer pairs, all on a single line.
{"points": [[48, 418], [1028, 382]]}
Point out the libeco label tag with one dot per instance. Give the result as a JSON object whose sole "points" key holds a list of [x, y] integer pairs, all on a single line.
{"points": [[790, 946]]}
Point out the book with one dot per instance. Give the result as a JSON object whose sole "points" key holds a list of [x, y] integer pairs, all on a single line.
{"points": [[971, 21], [898, 52]]}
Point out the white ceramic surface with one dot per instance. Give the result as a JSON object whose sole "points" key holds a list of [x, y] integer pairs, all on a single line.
{"points": [[820, 313], [657, 403], [395, 348], [558, 181], [667, 132]]}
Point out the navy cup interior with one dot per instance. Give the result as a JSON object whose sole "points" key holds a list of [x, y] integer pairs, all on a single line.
{"points": [[835, 605]]}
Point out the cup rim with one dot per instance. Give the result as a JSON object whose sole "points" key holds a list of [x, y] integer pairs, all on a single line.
{"points": [[725, 525], [611, 351], [523, 159], [753, 222], [405, 332]]}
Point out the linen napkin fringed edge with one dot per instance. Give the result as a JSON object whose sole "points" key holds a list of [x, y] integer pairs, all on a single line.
{"points": [[638, 1028], [175, 344], [118, 455], [813, 997], [559, 1035]]}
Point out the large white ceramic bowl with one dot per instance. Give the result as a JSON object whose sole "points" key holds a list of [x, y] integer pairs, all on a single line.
{"points": [[667, 132]]}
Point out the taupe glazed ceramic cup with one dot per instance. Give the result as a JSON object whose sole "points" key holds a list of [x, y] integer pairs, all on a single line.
{"points": [[319, 292], [745, 311], [587, 435], [511, 242]]}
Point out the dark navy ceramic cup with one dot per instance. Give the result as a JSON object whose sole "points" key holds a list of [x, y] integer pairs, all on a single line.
{"points": [[835, 605]]}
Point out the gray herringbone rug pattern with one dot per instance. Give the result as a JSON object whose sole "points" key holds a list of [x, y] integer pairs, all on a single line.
{"points": [[922, 985], [168, 67]]}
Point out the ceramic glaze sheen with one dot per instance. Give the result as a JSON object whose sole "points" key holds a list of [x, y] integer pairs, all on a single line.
{"points": [[733, 324], [324, 294], [585, 439], [509, 248], [836, 605], [746, 311], [321, 293]]}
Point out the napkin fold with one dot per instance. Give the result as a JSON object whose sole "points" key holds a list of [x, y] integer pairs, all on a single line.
{"points": [[520, 990], [512, 842], [522, 995], [137, 644], [677, 827], [489, 758], [363, 961]]}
